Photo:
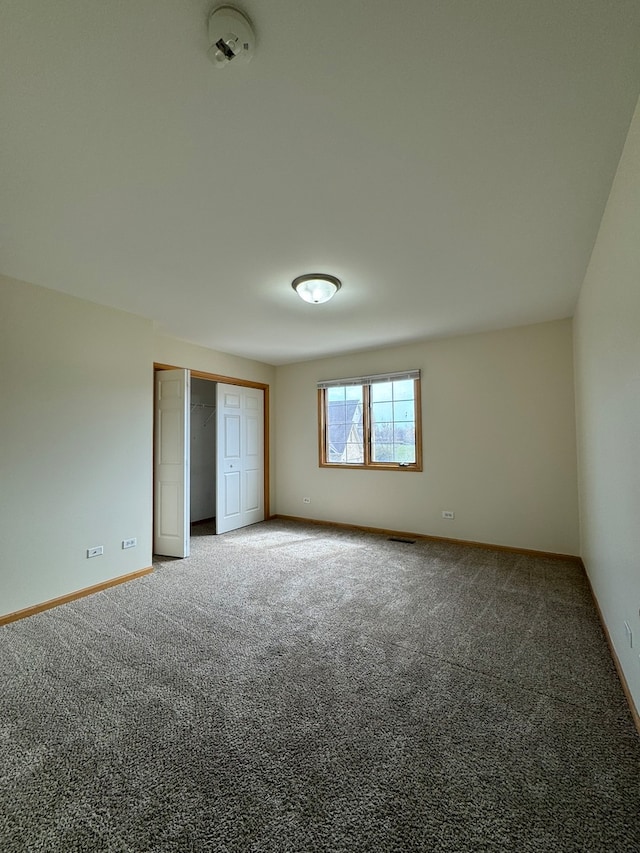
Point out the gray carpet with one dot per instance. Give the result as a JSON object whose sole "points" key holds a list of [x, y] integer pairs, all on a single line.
{"points": [[298, 688]]}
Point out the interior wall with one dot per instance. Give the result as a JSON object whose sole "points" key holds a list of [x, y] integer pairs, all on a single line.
{"points": [[76, 443], [607, 355], [203, 449], [498, 442]]}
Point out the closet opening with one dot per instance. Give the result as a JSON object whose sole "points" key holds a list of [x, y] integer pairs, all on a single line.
{"points": [[211, 456], [202, 456]]}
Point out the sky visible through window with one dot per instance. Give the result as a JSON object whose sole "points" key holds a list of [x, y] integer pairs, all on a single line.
{"points": [[392, 419], [393, 425]]}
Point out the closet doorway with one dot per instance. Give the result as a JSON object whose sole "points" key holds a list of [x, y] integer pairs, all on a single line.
{"points": [[202, 450], [210, 455]]}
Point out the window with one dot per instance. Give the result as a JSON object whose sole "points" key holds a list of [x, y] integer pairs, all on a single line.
{"points": [[371, 422]]}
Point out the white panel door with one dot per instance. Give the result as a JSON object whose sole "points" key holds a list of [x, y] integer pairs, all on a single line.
{"points": [[240, 457], [171, 464]]}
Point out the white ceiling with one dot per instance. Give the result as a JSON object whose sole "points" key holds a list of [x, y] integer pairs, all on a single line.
{"points": [[449, 160]]}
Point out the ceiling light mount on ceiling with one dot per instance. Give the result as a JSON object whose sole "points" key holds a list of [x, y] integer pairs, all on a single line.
{"points": [[231, 37], [316, 287]]}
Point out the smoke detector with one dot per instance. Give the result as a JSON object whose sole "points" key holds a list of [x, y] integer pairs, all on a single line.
{"points": [[231, 37]]}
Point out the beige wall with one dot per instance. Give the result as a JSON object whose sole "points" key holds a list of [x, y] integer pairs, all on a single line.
{"points": [[75, 443], [499, 442], [177, 353], [607, 354], [76, 438]]}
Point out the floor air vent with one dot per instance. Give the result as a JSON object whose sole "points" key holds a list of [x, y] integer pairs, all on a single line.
{"points": [[402, 539]]}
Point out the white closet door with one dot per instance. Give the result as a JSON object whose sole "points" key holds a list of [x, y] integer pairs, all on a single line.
{"points": [[171, 464], [240, 457]]}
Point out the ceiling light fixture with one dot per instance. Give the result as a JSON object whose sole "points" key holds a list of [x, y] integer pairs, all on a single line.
{"points": [[317, 287]]}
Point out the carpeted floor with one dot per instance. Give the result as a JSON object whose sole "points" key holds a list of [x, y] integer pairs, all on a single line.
{"points": [[298, 688]]}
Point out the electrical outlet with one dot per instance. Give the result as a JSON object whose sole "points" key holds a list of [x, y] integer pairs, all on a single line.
{"points": [[629, 634], [95, 552], [306, 500], [129, 543], [447, 513]]}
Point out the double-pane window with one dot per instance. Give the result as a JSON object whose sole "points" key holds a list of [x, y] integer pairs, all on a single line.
{"points": [[371, 422]]}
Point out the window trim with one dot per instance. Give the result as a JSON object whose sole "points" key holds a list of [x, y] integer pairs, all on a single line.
{"points": [[368, 464]]}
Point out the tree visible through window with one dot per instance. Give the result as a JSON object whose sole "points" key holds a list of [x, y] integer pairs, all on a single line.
{"points": [[371, 422]]}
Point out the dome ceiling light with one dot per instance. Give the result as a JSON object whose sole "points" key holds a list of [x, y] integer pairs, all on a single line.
{"points": [[317, 287]]}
